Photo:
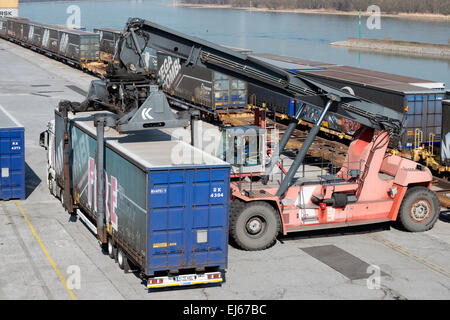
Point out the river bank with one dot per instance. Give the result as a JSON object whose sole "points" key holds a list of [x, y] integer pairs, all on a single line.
{"points": [[411, 16], [422, 49]]}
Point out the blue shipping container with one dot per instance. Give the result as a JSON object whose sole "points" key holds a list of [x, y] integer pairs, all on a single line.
{"points": [[12, 157], [171, 212]]}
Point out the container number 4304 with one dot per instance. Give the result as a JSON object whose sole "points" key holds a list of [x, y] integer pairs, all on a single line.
{"points": [[217, 193]]}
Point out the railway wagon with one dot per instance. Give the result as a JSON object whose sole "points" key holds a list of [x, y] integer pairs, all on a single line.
{"points": [[79, 46], [35, 35], [211, 90], [422, 99], [14, 27], [108, 41], [286, 106], [20, 29], [3, 28], [50, 38], [165, 214]]}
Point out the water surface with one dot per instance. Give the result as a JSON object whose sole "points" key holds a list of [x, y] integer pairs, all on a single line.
{"points": [[293, 34]]}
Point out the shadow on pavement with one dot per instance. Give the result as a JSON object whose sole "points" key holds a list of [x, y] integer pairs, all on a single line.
{"points": [[32, 180], [445, 216]]}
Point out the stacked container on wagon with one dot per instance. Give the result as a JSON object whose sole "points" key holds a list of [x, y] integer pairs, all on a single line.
{"points": [[20, 28], [422, 98], [3, 28], [286, 106], [108, 42], [210, 90], [14, 28], [166, 202], [35, 35], [50, 39], [79, 46]]}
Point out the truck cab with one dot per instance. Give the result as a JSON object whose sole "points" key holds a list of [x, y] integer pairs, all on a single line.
{"points": [[47, 141]]}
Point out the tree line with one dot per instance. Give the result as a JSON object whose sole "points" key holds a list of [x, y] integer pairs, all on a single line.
{"points": [[386, 6]]}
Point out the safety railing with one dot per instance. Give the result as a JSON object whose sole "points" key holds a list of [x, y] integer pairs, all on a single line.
{"points": [[321, 170]]}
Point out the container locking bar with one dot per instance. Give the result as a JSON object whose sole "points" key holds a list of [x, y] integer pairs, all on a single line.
{"points": [[64, 107], [100, 121]]}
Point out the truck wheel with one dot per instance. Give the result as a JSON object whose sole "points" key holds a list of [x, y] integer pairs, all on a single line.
{"points": [[253, 226], [112, 251], [121, 258], [419, 210], [51, 186]]}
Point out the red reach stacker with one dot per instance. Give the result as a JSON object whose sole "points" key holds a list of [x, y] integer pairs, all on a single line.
{"points": [[371, 186]]}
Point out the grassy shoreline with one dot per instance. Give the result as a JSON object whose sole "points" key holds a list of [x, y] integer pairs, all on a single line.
{"points": [[413, 16]]}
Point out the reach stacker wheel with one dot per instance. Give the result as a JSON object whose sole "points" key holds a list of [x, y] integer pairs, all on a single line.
{"points": [[419, 210], [254, 225]]}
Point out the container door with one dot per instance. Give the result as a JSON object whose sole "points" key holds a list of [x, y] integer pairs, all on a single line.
{"points": [[188, 218], [168, 203], [209, 217], [12, 163]]}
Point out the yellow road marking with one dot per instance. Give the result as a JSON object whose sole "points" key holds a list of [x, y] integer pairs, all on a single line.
{"points": [[45, 251]]}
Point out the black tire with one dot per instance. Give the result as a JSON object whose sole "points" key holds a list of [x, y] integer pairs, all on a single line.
{"points": [[121, 257], [51, 186], [419, 210], [112, 250], [61, 197], [59, 194], [254, 225]]}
